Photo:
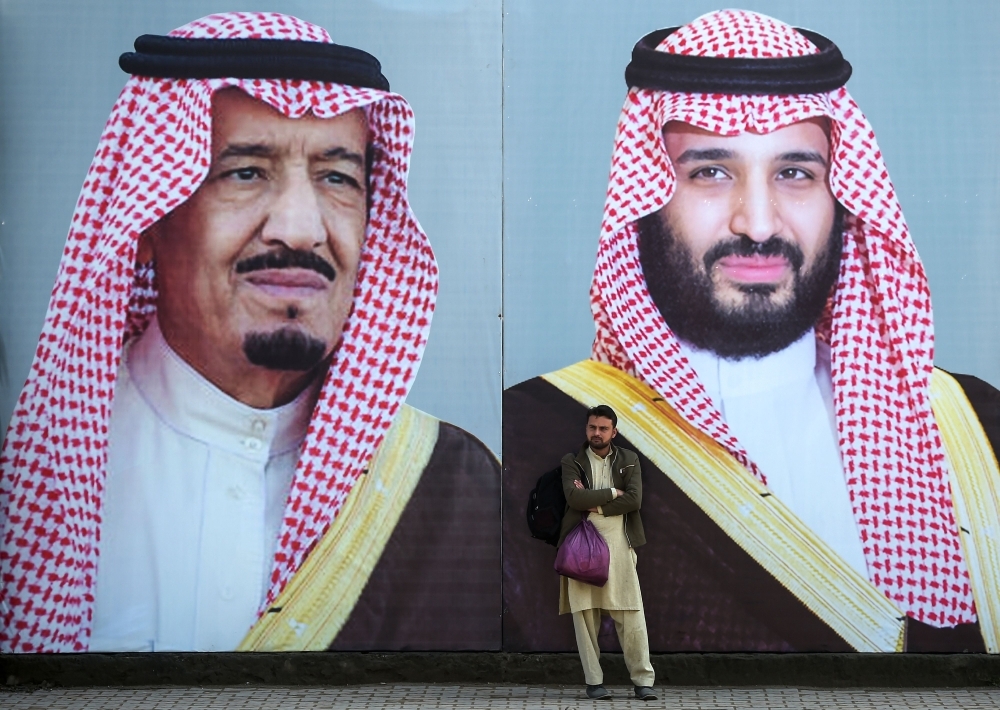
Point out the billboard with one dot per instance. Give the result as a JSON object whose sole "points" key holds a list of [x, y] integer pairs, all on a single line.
{"points": [[313, 295]]}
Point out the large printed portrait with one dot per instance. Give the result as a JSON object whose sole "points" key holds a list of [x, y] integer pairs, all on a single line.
{"points": [[817, 443], [222, 441], [253, 400]]}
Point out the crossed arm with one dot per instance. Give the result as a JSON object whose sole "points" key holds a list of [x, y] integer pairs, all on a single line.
{"points": [[614, 491], [629, 500], [608, 501]]}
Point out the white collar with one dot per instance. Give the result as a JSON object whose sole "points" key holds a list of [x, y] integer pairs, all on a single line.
{"points": [[194, 407], [595, 456], [750, 376]]}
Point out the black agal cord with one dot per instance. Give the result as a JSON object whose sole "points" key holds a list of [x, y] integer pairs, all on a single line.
{"points": [[184, 58], [810, 74]]}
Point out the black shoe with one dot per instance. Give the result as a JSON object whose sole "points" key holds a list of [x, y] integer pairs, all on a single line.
{"points": [[598, 692], [644, 692]]}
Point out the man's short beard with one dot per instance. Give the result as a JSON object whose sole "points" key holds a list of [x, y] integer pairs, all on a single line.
{"points": [[683, 291], [284, 349]]}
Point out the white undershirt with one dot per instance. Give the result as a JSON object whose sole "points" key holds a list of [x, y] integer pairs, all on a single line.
{"points": [[193, 503], [600, 469], [780, 408]]}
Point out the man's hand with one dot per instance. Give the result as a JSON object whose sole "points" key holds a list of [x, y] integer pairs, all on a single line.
{"points": [[593, 510], [620, 491]]}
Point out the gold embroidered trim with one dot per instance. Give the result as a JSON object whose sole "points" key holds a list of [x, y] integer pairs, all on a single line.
{"points": [[319, 598], [975, 492], [739, 504]]}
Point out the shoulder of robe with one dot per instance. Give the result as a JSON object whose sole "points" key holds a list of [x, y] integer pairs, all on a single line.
{"points": [[985, 401], [457, 500], [542, 425], [458, 456], [528, 397], [456, 443]]}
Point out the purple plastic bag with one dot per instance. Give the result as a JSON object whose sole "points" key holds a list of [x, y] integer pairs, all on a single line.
{"points": [[584, 555]]}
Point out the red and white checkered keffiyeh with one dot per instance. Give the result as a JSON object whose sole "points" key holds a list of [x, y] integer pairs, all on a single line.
{"points": [[879, 326], [154, 153]]}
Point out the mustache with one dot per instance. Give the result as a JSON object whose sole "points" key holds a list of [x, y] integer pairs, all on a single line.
{"points": [[745, 246], [287, 259]]}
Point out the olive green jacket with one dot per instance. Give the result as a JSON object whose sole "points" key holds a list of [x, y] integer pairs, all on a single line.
{"points": [[627, 476]]}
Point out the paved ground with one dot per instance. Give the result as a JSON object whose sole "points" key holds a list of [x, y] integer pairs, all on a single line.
{"points": [[509, 697]]}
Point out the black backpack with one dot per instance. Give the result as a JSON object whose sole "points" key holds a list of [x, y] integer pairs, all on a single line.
{"points": [[547, 506]]}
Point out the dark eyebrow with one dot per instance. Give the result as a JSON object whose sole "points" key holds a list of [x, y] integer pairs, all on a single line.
{"points": [[262, 150], [693, 154], [340, 153], [246, 150], [802, 156]]}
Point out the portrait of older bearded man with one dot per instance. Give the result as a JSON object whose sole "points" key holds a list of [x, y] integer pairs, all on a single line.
{"points": [[764, 331], [212, 450]]}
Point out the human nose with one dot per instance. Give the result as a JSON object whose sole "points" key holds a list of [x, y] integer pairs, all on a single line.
{"points": [[756, 212], [294, 218]]}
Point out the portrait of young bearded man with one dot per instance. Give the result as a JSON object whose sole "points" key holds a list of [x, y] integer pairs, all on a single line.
{"points": [[212, 451], [764, 331]]}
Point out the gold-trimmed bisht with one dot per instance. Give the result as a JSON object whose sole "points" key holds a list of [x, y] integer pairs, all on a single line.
{"points": [[776, 538], [319, 598]]}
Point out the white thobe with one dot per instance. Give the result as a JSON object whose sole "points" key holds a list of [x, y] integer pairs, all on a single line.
{"points": [[193, 503], [780, 408]]}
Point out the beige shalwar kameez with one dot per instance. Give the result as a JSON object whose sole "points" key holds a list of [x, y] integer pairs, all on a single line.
{"points": [[620, 598]]}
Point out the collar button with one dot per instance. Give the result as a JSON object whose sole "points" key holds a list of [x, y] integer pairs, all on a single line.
{"points": [[253, 444]]}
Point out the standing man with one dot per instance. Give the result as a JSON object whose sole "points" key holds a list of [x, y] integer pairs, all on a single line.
{"points": [[212, 450], [764, 329], [605, 481]]}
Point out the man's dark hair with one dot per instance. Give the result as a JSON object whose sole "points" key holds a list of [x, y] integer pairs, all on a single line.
{"points": [[603, 410]]}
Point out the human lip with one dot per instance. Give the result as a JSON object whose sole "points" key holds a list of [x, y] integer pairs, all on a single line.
{"points": [[754, 269], [288, 282]]}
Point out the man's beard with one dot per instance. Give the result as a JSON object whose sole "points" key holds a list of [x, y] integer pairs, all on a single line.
{"points": [[284, 349], [684, 293]]}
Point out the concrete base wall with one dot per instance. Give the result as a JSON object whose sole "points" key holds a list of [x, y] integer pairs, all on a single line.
{"points": [[685, 669]]}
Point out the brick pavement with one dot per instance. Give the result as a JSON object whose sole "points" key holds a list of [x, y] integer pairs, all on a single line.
{"points": [[510, 697]]}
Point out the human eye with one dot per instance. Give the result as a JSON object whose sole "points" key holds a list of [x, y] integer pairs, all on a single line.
{"points": [[795, 173], [337, 177], [709, 172], [245, 173]]}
